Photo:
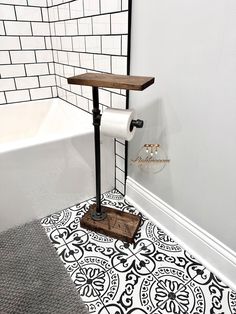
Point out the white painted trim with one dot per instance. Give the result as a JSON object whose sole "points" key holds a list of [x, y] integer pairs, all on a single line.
{"points": [[212, 253]]}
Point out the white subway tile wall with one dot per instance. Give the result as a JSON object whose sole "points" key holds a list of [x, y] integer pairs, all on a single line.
{"points": [[25, 51], [5, 57], [45, 41], [20, 95], [2, 98]]}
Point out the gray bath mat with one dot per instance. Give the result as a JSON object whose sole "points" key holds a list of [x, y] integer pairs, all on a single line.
{"points": [[32, 277]]}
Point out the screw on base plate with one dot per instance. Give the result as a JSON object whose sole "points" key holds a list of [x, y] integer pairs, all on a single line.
{"points": [[98, 216]]}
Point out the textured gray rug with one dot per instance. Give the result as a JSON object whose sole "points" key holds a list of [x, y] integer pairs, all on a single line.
{"points": [[32, 277]]}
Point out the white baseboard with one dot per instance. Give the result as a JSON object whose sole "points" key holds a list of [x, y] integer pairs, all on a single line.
{"points": [[212, 253]]}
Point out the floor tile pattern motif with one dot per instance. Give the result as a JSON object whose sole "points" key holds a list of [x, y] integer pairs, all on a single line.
{"points": [[153, 275]]}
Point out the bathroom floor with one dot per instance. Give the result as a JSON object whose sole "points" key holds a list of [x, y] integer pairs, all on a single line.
{"points": [[153, 275]]}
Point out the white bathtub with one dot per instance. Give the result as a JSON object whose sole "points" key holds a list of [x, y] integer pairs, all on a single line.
{"points": [[47, 159]]}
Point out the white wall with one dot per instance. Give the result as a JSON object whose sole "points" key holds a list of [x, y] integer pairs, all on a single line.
{"points": [[190, 47]]}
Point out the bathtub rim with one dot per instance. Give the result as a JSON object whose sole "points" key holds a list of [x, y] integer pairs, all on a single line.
{"points": [[55, 137]]}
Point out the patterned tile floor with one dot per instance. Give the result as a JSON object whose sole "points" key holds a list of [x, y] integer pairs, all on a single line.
{"points": [[153, 275]]}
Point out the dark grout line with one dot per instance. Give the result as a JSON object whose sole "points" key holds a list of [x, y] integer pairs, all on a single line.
{"points": [[100, 300]]}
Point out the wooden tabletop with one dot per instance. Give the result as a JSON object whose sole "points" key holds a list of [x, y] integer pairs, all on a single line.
{"points": [[112, 81]]}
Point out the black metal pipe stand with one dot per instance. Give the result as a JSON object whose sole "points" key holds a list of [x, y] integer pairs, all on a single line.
{"points": [[99, 214]]}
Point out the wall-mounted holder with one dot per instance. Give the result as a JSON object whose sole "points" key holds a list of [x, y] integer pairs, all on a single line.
{"points": [[106, 220]]}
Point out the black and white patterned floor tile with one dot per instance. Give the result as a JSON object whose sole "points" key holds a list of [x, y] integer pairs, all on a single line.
{"points": [[152, 276]]}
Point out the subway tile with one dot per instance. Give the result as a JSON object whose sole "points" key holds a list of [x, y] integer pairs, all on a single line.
{"points": [[28, 13], [101, 24], [85, 26], [17, 95], [124, 51], [119, 65], [68, 71], [15, 2], [125, 5], [120, 187], [120, 149], [15, 70], [118, 101], [71, 27], [105, 97], [113, 90], [41, 93], [86, 60], [53, 14], [56, 2], [64, 12], [74, 59], [2, 30], [62, 57], [121, 141], [60, 28], [102, 63], [54, 91], [120, 162], [47, 80], [71, 98], [32, 43], [66, 43], [45, 14], [120, 175], [2, 98], [4, 57], [9, 43], [58, 70], [44, 56], [56, 43], [93, 44], [79, 71], [90, 107], [76, 89], [7, 84], [110, 6], [18, 28], [55, 55], [41, 29], [58, 65], [27, 82], [38, 3], [52, 29], [61, 93], [103, 108], [78, 43], [119, 23], [22, 56], [87, 92], [82, 103], [111, 45], [91, 7], [58, 80], [7, 12], [51, 68], [50, 3], [48, 42], [76, 9], [37, 69], [64, 83]]}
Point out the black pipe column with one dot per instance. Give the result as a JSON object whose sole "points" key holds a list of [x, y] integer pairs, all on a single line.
{"points": [[99, 214]]}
